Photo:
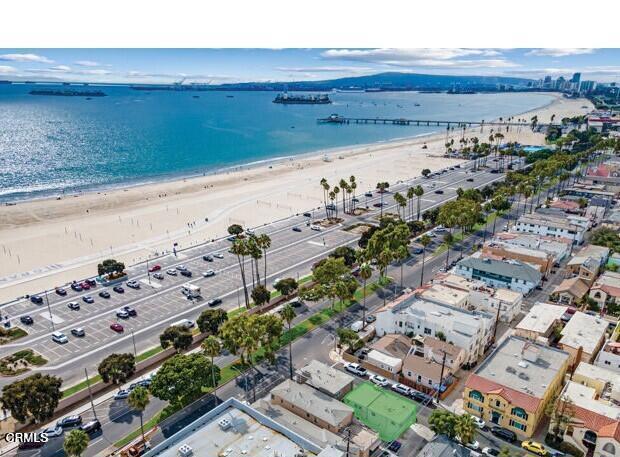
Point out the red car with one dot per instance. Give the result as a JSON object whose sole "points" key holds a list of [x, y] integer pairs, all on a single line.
{"points": [[118, 328], [85, 285], [154, 268]]}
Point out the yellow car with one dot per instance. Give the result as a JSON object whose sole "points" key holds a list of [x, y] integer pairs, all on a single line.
{"points": [[534, 447]]}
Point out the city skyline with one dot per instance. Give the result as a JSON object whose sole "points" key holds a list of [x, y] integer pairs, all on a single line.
{"points": [[218, 66]]}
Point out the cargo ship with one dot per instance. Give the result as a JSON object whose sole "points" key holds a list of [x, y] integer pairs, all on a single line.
{"points": [[286, 99], [68, 93]]}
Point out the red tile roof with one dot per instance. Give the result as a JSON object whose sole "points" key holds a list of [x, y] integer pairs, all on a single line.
{"points": [[603, 426], [512, 396]]}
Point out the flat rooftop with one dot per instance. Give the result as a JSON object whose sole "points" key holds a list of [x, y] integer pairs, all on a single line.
{"points": [[245, 436], [585, 331], [599, 373], [585, 397], [541, 317], [324, 377], [444, 294], [523, 365]]}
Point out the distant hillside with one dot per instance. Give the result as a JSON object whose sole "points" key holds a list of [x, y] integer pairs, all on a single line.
{"points": [[390, 81]]}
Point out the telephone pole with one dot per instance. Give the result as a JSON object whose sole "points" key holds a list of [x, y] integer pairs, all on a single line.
{"points": [[443, 364]]}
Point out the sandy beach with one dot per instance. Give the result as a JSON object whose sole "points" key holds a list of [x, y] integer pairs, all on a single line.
{"points": [[45, 243]]}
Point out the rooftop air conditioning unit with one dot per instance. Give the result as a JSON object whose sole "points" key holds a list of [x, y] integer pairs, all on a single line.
{"points": [[224, 423]]}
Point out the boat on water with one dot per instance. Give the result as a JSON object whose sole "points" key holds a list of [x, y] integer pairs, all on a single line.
{"points": [[332, 119], [230, 96], [68, 93], [416, 104], [286, 99]]}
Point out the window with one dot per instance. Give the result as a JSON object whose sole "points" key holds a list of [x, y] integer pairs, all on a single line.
{"points": [[419, 378], [609, 448], [498, 403], [517, 425], [476, 395], [519, 412], [427, 331], [470, 405]]}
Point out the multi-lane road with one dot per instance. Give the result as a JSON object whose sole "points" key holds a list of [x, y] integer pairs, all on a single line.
{"points": [[159, 303]]}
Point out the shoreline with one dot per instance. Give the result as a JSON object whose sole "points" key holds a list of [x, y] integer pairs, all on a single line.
{"points": [[241, 166], [46, 242]]}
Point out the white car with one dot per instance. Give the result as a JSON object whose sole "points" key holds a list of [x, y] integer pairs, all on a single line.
{"points": [[171, 272], [53, 431], [218, 255], [401, 389], [379, 380], [479, 422], [121, 394], [490, 452], [208, 273], [60, 338], [315, 227], [475, 445]]}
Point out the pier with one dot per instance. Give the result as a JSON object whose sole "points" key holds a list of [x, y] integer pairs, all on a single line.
{"points": [[335, 119]]}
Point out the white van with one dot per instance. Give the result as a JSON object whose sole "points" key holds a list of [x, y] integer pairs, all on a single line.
{"points": [[190, 290], [60, 338], [357, 326], [184, 323]]}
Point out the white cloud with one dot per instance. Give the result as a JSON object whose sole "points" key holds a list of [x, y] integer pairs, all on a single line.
{"points": [[61, 68], [325, 69], [6, 69], [559, 52], [87, 63], [25, 58], [424, 57]]}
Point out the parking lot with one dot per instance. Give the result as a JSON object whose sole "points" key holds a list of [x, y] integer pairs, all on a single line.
{"points": [[160, 303]]}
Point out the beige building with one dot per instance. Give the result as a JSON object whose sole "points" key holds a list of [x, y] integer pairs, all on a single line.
{"points": [[540, 322], [606, 289], [570, 291], [312, 405], [330, 381], [585, 268], [582, 337], [504, 251]]}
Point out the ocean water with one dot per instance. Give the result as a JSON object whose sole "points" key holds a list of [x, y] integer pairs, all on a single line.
{"points": [[50, 145]]}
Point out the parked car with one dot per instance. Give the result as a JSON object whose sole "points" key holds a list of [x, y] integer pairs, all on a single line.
{"points": [[208, 273], [171, 272], [118, 328], [76, 287], [129, 310], [214, 302], [118, 289], [59, 337], [133, 284], [122, 314], [104, 294], [470, 179], [316, 228], [32, 444], [78, 331], [505, 434], [534, 447], [439, 191], [475, 445], [60, 291], [91, 427], [121, 394], [85, 285], [53, 431], [379, 380], [36, 299], [218, 255], [207, 258], [159, 276], [370, 318], [73, 305], [307, 214], [88, 299], [70, 421], [26, 320], [479, 422], [421, 397], [490, 452], [401, 389], [368, 194], [154, 268], [356, 369], [395, 446], [296, 229]]}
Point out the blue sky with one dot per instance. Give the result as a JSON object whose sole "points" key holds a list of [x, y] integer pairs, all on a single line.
{"points": [[234, 65]]}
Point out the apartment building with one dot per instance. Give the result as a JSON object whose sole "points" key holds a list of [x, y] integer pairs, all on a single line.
{"points": [[544, 225]]}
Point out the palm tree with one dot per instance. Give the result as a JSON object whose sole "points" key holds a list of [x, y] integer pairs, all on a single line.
{"points": [[139, 399], [401, 254], [449, 240], [465, 428], [418, 191], [425, 240], [326, 187], [381, 186], [264, 243], [288, 314], [401, 203], [343, 185], [212, 348], [410, 195], [353, 187], [336, 192], [365, 274], [240, 249], [76, 442]]}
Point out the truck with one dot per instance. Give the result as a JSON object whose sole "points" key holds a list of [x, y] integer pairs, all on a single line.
{"points": [[190, 290]]}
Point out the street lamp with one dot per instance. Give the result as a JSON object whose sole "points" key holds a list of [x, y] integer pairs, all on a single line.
{"points": [[49, 310], [245, 380]]}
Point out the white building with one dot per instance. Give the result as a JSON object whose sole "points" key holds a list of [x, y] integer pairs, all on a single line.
{"points": [[470, 330], [482, 297], [609, 356], [539, 323], [583, 334], [544, 225], [557, 248], [509, 274]]}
